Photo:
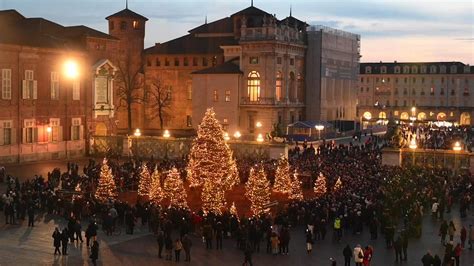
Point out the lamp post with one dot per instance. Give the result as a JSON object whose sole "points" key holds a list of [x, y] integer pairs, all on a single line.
{"points": [[237, 135], [319, 128], [71, 71], [137, 133], [260, 138], [457, 146], [166, 135], [226, 136], [413, 147]]}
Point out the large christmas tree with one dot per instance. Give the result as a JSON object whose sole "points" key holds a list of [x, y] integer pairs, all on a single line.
{"points": [[257, 190], [282, 176], [296, 192], [144, 184], [106, 189], [211, 164], [320, 188], [174, 189], [156, 193]]}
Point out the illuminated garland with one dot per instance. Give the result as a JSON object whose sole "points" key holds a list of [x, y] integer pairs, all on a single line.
{"points": [[320, 188], [174, 189], [282, 176], [106, 189], [257, 190]]}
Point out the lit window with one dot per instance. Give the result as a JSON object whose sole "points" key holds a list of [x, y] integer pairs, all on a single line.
{"points": [[135, 24], [278, 86], [253, 86], [216, 96], [6, 84], [227, 96], [253, 60]]}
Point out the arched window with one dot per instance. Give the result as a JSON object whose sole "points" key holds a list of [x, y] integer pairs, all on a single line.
{"points": [[441, 116], [367, 115], [292, 87], [404, 116], [278, 86], [421, 116], [382, 115], [253, 86], [299, 87]]}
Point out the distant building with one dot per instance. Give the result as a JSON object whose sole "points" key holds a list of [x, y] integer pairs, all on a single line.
{"points": [[437, 92]]}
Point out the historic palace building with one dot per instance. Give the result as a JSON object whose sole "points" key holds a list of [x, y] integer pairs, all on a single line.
{"points": [[436, 92], [61, 86]]}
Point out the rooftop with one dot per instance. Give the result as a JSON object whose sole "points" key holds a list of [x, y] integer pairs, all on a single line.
{"points": [[127, 13]]}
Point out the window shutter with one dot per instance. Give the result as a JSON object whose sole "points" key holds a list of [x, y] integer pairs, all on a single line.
{"points": [[23, 135], [35, 89], [35, 134], [13, 136], [71, 133], [25, 89], [60, 133], [81, 132], [2, 136]]}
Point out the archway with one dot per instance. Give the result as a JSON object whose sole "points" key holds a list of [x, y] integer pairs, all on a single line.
{"points": [[421, 116], [441, 116], [404, 116], [367, 115], [101, 129], [382, 115], [465, 119]]}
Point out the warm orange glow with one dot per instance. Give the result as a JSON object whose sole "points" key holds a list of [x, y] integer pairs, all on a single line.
{"points": [[71, 69]]}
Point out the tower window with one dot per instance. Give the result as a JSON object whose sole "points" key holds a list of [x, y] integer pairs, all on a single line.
{"points": [[123, 25], [111, 25], [135, 24]]}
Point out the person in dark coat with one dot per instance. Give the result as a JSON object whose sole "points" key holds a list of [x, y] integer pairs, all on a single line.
{"points": [[31, 216], [427, 259], [404, 245], [168, 247], [187, 244], [347, 252], [65, 239], [57, 241], [248, 255], [160, 238], [78, 231], [91, 232], [436, 260], [398, 249], [94, 252]]}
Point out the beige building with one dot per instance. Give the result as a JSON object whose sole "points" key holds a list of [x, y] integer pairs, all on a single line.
{"points": [[416, 92]]}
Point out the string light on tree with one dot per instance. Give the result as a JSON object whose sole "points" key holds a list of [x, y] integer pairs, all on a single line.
{"points": [[144, 184], [106, 189], [174, 189], [320, 187], [296, 192], [233, 211], [211, 164], [337, 185], [156, 193], [257, 190], [282, 176]]}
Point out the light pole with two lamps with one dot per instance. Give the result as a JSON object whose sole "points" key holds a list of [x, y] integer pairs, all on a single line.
{"points": [[71, 71], [319, 128]]}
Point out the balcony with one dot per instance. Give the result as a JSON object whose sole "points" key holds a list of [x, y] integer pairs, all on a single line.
{"points": [[271, 101]]}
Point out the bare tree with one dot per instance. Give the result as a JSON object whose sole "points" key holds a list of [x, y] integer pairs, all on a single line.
{"points": [[129, 86], [159, 99]]}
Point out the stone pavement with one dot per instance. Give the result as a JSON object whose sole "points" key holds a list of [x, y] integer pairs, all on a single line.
{"points": [[20, 245]]}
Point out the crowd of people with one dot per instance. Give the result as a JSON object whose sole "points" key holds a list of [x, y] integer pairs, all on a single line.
{"points": [[373, 197]]}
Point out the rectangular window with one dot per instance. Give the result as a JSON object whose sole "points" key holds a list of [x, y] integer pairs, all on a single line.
{"points": [[167, 62], [30, 133], [55, 129], [279, 60], [54, 86], [76, 90], [76, 129], [185, 61], [253, 60], [204, 61], [190, 92], [135, 24], [158, 62], [216, 96], [6, 84], [227, 96], [292, 61], [29, 88], [6, 132], [189, 121], [195, 61], [214, 60], [176, 61], [123, 25]]}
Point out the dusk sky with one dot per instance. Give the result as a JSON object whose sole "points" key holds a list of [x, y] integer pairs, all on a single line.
{"points": [[416, 30]]}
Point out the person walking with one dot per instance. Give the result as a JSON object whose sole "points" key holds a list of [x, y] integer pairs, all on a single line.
{"points": [[404, 245], [275, 242], [397, 245], [178, 246], [31, 216], [436, 260], [309, 241], [219, 231], [471, 236], [160, 238], [451, 230], [463, 236], [187, 244], [78, 231], [248, 256], [443, 231], [457, 253], [168, 247], [427, 259], [368, 253], [64, 240], [358, 255], [94, 252], [91, 232], [347, 253], [56, 241]]}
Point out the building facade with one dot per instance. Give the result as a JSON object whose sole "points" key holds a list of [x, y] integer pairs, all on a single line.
{"points": [[437, 92]]}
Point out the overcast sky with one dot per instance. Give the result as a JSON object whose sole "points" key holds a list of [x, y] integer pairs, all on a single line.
{"points": [[402, 30]]}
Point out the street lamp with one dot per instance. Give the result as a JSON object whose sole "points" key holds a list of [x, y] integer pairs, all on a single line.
{"points": [[413, 145], [413, 110], [49, 129], [457, 146], [319, 128], [71, 71], [260, 138], [258, 124], [237, 135], [137, 133], [166, 134], [226, 136]]}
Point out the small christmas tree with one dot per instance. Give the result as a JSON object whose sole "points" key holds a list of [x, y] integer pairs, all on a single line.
{"points": [[337, 185], [144, 184], [257, 191], [233, 210], [282, 176], [106, 189], [320, 188], [296, 192], [156, 193], [174, 189]]}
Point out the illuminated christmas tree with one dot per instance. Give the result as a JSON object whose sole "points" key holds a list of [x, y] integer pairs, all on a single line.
{"points": [[233, 210], [156, 193], [211, 164], [106, 189], [174, 189], [282, 176], [257, 190], [320, 188], [144, 184], [337, 185], [296, 192]]}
